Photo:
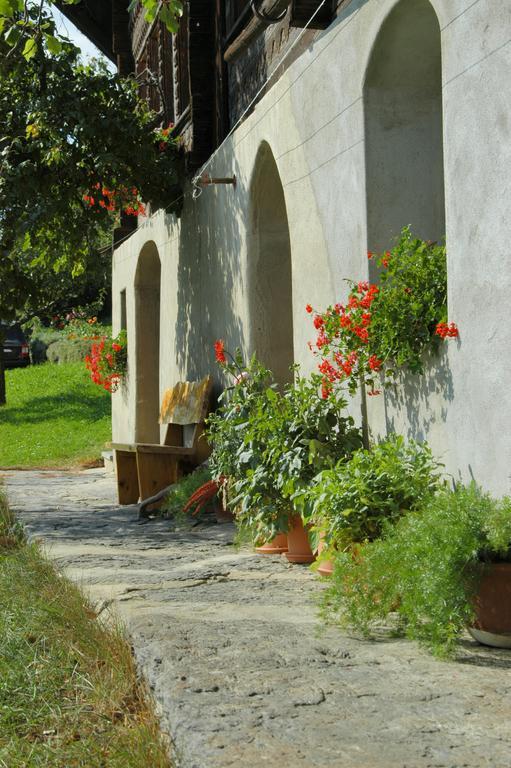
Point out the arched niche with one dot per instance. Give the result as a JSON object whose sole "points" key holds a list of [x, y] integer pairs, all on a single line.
{"points": [[403, 127], [147, 323], [269, 269]]}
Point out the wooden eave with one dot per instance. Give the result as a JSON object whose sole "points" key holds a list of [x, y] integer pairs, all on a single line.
{"points": [[94, 20]]}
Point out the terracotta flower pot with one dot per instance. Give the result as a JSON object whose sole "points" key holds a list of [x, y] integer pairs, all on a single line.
{"points": [[325, 567], [299, 550], [493, 607], [276, 546]]}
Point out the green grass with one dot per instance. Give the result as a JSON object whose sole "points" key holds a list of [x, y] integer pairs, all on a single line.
{"points": [[55, 417], [69, 692]]}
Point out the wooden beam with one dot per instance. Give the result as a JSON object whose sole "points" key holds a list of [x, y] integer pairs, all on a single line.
{"points": [[254, 28], [94, 20]]}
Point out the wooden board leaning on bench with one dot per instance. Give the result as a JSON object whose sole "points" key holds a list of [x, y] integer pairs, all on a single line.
{"points": [[143, 469]]}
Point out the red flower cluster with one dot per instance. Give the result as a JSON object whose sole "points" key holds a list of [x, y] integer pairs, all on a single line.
{"points": [[447, 330], [107, 362], [164, 136], [374, 364], [109, 199], [343, 338], [348, 344], [220, 357]]}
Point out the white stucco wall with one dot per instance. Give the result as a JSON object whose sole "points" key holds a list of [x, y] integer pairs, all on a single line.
{"points": [[313, 120]]}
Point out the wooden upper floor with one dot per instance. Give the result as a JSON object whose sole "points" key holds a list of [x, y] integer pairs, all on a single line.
{"points": [[203, 77]]}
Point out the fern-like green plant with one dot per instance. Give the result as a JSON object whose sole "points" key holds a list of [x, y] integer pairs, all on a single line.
{"points": [[425, 570]]}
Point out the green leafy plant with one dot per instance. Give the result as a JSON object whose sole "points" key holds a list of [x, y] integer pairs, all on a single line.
{"points": [[352, 502], [64, 172], [426, 568], [169, 11], [270, 443], [227, 424]]}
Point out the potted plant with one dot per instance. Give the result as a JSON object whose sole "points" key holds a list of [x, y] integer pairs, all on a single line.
{"points": [[272, 442], [433, 572], [350, 503]]}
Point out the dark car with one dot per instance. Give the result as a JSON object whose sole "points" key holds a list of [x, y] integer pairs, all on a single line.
{"points": [[16, 351]]}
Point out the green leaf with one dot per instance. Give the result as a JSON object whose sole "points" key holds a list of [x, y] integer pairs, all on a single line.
{"points": [[12, 36], [53, 44], [7, 8], [169, 19]]}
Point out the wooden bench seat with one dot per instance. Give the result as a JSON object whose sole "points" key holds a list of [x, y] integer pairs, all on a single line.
{"points": [[143, 469]]}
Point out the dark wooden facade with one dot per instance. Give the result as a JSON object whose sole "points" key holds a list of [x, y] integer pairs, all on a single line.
{"points": [[202, 78]]}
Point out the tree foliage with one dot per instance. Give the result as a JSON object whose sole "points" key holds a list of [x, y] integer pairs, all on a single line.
{"points": [[71, 134], [26, 27], [77, 147]]}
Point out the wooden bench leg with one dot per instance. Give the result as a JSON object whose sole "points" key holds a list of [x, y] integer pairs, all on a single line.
{"points": [[155, 472], [128, 490]]}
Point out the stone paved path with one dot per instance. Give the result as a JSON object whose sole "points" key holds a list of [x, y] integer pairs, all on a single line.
{"points": [[238, 664]]}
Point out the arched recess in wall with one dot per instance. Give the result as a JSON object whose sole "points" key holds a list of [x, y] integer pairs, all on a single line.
{"points": [[403, 127], [269, 269], [147, 324]]}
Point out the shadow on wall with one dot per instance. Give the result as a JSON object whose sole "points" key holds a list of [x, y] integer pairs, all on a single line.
{"points": [[147, 367], [405, 181], [403, 127], [219, 296], [419, 401], [209, 277], [269, 269]]}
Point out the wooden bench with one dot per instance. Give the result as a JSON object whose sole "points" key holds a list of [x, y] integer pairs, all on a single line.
{"points": [[143, 469]]}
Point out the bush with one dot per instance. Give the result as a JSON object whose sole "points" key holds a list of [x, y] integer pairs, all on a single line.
{"points": [[40, 340], [427, 568], [68, 350], [352, 502], [77, 329]]}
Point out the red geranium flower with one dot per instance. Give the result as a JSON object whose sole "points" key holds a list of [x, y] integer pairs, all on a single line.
{"points": [[374, 363], [219, 346]]}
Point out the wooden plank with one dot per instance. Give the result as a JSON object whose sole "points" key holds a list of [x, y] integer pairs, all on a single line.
{"points": [[131, 447], [155, 472], [173, 435], [128, 491], [167, 450]]}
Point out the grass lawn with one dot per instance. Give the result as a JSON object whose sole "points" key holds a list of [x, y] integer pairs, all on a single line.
{"points": [[55, 417], [69, 693]]}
